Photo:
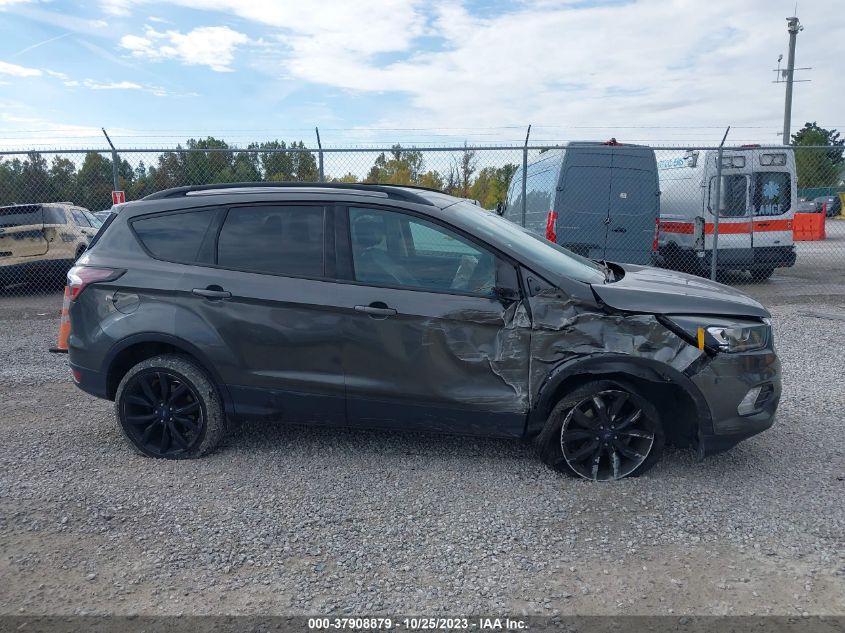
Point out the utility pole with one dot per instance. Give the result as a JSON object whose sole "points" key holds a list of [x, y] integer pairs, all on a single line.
{"points": [[793, 26]]}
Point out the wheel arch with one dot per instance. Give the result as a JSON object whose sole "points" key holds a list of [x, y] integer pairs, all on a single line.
{"points": [[677, 399], [138, 347]]}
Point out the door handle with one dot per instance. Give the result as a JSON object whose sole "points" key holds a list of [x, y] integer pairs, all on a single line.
{"points": [[376, 310], [620, 229], [212, 292]]}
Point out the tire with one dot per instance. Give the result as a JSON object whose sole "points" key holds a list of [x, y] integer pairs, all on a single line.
{"points": [[761, 274], [152, 423], [569, 432]]}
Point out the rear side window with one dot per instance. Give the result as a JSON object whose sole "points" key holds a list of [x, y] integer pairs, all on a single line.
{"points": [[175, 237], [54, 215], [20, 216], [281, 240]]}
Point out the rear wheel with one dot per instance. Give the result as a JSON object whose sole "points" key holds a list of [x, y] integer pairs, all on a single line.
{"points": [[602, 431], [167, 407], [761, 274]]}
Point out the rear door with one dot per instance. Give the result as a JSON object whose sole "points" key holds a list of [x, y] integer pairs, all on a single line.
{"points": [[634, 207], [734, 243], [22, 231], [583, 202], [259, 305], [771, 202]]}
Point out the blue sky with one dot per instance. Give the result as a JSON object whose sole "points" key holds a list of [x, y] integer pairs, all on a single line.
{"points": [[370, 71]]}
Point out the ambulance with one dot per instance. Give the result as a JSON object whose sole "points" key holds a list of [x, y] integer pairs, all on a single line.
{"points": [[756, 204]]}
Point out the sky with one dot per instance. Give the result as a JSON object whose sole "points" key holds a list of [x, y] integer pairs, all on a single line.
{"points": [[378, 72]]}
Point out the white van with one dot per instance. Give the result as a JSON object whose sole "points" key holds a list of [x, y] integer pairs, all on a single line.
{"points": [[758, 200]]}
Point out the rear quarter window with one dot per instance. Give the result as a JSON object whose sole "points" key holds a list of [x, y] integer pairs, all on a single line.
{"points": [[175, 237]]}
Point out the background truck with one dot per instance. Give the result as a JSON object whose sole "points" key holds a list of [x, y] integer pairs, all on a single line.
{"points": [[757, 201]]}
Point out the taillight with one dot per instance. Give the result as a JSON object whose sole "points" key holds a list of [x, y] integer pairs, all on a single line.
{"points": [[656, 235], [550, 226], [80, 277]]}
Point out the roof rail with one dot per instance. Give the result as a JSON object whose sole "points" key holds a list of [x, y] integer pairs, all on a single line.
{"points": [[392, 191]]}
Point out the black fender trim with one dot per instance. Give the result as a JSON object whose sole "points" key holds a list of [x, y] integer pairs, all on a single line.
{"points": [[175, 341], [603, 364]]}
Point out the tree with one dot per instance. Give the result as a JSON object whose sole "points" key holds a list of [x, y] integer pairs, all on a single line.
{"points": [[277, 165], [466, 168], [491, 186], [202, 168], [63, 180], [304, 164], [10, 181], [403, 167], [95, 182], [34, 179], [817, 167]]}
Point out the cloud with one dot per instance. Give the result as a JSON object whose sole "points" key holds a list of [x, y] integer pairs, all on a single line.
{"points": [[212, 46], [18, 71]]}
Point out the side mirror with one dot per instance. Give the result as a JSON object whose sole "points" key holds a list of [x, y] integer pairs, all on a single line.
{"points": [[506, 294], [500, 208]]}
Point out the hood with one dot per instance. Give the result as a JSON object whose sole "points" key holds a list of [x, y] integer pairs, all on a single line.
{"points": [[661, 291]]}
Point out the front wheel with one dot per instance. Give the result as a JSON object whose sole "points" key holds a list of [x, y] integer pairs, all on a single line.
{"points": [[167, 407], [602, 431]]}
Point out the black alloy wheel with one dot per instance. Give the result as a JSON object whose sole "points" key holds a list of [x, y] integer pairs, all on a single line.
{"points": [[162, 414], [608, 435]]}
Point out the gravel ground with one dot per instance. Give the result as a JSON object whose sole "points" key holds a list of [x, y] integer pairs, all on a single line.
{"points": [[295, 520]]}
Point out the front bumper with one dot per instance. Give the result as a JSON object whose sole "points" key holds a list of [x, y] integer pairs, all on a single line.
{"points": [[724, 383]]}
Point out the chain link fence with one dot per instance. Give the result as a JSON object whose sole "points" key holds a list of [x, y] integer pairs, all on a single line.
{"points": [[745, 215]]}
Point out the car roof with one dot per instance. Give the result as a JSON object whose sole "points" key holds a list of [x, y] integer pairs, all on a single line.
{"points": [[405, 193]]}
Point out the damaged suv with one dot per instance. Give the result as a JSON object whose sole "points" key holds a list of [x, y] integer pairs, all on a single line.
{"points": [[197, 308]]}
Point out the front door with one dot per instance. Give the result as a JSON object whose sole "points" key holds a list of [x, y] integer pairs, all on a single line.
{"points": [[434, 334]]}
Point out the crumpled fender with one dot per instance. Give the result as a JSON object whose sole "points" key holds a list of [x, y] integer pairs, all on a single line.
{"points": [[601, 364], [575, 337]]}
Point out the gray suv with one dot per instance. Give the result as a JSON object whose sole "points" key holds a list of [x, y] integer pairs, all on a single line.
{"points": [[198, 308]]}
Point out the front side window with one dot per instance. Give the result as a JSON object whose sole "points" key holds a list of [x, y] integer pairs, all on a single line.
{"points": [[281, 240], [772, 193], [175, 237], [79, 218], [395, 249], [733, 196]]}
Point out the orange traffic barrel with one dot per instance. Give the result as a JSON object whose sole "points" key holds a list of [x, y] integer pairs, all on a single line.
{"points": [[64, 325]]}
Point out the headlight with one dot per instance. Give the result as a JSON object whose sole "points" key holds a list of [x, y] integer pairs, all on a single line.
{"points": [[734, 335]]}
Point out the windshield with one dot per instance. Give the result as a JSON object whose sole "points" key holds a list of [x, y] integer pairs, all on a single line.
{"points": [[532, 247], [93, 219]]}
